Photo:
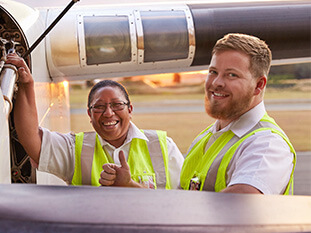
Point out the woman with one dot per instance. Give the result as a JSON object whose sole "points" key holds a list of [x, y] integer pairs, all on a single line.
{"points": [[117, 153]]}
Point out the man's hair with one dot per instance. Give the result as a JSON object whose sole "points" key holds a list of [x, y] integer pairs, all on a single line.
{"points": [[258, 51], [107, 83]]}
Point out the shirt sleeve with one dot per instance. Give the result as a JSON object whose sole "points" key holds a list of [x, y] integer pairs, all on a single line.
{"points": [[175, 163], [263, 161], [57, 154]]}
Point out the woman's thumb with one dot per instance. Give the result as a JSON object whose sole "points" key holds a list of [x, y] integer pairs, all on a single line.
{"points": [[123, 160]]}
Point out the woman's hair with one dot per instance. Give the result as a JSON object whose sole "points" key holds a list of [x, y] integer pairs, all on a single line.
{"points": [[258, 51], [107, 83]]}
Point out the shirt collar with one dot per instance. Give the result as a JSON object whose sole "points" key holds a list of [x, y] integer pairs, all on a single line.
{"points": [[245, 123], [133, 132]]}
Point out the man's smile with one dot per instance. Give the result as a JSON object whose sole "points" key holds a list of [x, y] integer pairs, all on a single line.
{"points": [[218, 95]]}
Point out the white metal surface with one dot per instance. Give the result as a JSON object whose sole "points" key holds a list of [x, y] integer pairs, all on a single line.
{"points": [[31, 208], [5, 166], [7, 81]]}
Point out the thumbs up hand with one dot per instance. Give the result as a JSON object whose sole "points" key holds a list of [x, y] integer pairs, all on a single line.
{"points": [[117, 175]]}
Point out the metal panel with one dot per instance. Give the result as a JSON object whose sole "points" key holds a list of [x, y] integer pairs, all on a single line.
{"points": [[107, 39], [165, 35], [5, 171], [33, 208]]}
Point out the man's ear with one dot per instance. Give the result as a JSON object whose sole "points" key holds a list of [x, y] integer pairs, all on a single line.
{"points": [[260, 85], [89, 112]]}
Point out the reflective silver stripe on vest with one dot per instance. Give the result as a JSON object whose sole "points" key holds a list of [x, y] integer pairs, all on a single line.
{"points": [[87, 154], [210, 180], [156, 157]]}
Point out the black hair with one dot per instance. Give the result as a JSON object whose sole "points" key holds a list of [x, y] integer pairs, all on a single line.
{"points": [[107, 83]]}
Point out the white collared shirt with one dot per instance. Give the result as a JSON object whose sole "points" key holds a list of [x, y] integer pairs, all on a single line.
{"points": [[133, 132], [58, 153], [263, 160]]}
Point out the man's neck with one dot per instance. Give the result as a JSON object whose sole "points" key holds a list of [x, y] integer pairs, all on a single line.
{"points": [[225, 122]]}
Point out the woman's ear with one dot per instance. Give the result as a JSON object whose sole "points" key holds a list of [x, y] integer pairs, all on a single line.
{"points": [[260, 85], [89, 112], [130, 108]]}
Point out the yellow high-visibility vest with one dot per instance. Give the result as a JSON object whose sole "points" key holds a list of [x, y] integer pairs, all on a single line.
{"points": [[90, 157], [210, 167]]}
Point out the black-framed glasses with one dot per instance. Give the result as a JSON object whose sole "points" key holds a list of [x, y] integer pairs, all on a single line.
{"points": [[115, 106]]}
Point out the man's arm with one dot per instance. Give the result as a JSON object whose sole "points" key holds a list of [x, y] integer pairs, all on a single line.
{"points": [[25, 111], [263, 162]]}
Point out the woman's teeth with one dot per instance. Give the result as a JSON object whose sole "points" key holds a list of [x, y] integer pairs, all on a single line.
{"points": [[110, 123]]}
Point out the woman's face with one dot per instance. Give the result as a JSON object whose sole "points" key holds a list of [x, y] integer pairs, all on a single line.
{"points": [[111, 125]]}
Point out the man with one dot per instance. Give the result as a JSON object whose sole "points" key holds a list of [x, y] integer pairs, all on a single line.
{"points": [[117, 153], [244, 151]]}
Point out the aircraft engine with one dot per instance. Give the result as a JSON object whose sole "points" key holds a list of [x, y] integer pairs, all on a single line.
{"points": [[116, 41]]}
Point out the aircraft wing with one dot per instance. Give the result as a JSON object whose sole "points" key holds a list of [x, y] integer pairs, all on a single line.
{"points": [[34, 208]]}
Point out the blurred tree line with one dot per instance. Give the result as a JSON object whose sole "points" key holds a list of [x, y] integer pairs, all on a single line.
{"points": [[276, 78], [285, 72]]}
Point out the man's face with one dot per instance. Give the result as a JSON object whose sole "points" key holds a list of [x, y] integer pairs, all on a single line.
{"points": [[230, 86], [110, 125]]}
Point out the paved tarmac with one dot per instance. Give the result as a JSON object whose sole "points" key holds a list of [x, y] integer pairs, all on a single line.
{"points": [[166, 106], [302, 174], [169, 106]]}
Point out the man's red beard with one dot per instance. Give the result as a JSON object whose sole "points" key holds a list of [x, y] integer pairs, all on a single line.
{"points": [[232, 111]]}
